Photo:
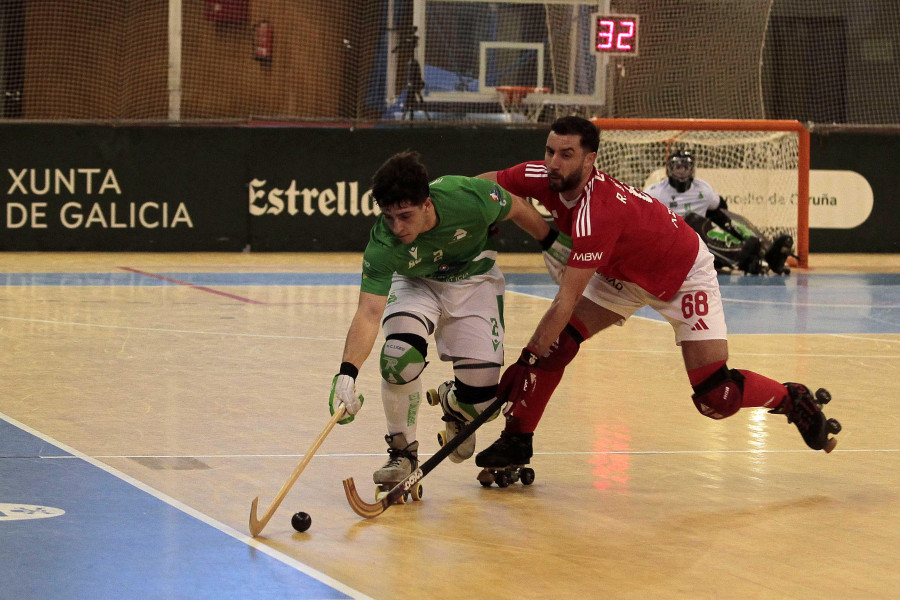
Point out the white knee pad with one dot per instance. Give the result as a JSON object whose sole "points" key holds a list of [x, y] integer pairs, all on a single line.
{"points": [[401, 360]]}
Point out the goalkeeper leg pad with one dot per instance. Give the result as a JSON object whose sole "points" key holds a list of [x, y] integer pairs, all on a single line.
{"points": [[776, 257], [403, 357], [719, 395]]}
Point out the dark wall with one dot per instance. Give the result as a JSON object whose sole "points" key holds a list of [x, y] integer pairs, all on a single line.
{"points": [[170, 188], [874, 156]]}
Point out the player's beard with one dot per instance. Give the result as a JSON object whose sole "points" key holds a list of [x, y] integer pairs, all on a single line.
{"points": [[566, 184]]}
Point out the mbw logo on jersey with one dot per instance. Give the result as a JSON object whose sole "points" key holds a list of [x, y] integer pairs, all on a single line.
{"points": [[495, 196], [587, 256]]}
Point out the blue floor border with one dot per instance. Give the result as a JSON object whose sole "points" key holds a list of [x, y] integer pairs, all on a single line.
{"points": [[119, 538]]}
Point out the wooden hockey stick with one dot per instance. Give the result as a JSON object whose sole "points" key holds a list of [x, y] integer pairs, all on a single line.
{"points": [[366, 510], [257, 524]]}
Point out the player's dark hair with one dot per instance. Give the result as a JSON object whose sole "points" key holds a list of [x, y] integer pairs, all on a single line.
{"points": [[586, 131], [402, 179]]}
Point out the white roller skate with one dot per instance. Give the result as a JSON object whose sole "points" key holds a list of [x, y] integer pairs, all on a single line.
{"points": [[453, 420], [403, 459]]}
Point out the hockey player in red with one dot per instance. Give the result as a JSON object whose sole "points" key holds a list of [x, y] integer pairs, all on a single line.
{"points": [[628, 250]]}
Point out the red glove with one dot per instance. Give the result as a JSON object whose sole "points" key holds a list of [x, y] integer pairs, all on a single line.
{"points": [[519, 379]]}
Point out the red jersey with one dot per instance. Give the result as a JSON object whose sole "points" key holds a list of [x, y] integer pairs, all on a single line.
{"points": [[616, 229]]}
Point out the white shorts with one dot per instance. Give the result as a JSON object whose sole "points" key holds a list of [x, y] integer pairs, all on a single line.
{"points": [[468, 314], [695, 313]]}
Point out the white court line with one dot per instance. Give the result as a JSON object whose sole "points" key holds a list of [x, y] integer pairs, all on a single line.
{"points": [[798, 355], [744, 301], [258, 545], [341, 339], [868, 339], [567, 453], [816, 304], [164, 330]]}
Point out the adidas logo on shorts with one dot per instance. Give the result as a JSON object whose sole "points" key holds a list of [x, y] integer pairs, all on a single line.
{"points": [[699, 326]]}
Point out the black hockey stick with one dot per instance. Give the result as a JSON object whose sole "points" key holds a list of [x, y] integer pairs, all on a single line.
{"points": [[364, 509]]}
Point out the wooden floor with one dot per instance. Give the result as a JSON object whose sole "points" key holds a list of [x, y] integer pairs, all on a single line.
{"points": [[211, 393]]}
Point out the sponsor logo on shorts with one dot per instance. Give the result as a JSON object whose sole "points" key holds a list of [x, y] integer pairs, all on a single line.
{"points": [[700, 326], [614, 282]]}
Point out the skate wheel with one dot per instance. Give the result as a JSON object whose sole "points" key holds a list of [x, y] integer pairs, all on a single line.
{"points": [[829, 445], [502, 479], [823, 396], [834, 426], [432, 397], [380, 493], [416, 492], [527, 476], [786, 271], [442, 438], [485, 478]]}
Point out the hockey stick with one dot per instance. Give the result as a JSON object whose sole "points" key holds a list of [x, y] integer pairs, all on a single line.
{"points": [[257, 524], [366, 510]]}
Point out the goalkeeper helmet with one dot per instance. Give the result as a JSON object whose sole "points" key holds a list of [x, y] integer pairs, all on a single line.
{"points": [[680, 169]]}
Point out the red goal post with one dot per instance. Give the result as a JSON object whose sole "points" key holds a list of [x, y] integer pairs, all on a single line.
{"points": [[719, 133]]}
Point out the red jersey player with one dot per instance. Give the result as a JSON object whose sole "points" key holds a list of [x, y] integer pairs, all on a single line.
{"points": [[628, 250]]}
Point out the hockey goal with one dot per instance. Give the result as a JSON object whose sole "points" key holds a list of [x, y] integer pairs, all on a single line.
{"points": [[760, 167]]}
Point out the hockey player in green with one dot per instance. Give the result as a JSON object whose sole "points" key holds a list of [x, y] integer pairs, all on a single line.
{"points": [[429, 269]]}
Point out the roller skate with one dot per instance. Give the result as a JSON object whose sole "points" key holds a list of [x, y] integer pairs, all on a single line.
{"points": [[777, 255], [805, 411], [403, 459], [453, 420], [503, 462], [750, 259]]}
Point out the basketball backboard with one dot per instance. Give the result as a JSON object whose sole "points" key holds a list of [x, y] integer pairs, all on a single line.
{"points": [[467, 48]]}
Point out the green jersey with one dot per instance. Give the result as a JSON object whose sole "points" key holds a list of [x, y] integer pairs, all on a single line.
{"points": [[458, 247]]}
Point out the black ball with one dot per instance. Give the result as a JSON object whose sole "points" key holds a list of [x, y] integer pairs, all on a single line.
{"points": [[301, 521]]}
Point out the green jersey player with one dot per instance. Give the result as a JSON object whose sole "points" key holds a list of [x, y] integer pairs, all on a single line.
{"points": [[429, 269]]}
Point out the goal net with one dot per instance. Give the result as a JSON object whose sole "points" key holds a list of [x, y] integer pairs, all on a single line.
{"points": [[760, 168], [828, 61]]}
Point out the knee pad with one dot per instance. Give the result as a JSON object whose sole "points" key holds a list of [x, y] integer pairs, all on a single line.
{"points": [[719, 395], [403, 357], [470, 400], [563, 350]]}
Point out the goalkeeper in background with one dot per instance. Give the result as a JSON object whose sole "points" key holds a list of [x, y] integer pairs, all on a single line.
{"points": [[429, 268], [695, 200]]}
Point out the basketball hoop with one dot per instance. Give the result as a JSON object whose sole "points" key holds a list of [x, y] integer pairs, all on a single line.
{"points": [[513, 101]]}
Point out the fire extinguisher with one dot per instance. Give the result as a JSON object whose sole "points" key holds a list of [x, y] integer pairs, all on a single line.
{"points": [[263, 39]]}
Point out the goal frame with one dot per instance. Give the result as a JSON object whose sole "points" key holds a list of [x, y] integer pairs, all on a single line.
{"points": [[803, 144]]}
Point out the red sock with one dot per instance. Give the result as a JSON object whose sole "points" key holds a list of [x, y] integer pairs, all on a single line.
{"points": [[761, 391], [524, 416]]}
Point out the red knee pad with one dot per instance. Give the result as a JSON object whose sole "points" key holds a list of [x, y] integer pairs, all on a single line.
{"points": [[719, 396]]}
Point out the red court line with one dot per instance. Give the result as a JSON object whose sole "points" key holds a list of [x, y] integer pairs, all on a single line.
{"points": [[202, 288]]}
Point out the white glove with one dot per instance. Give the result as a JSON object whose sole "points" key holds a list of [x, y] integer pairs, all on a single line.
{"points": [[556, 254], [343, 394]]}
